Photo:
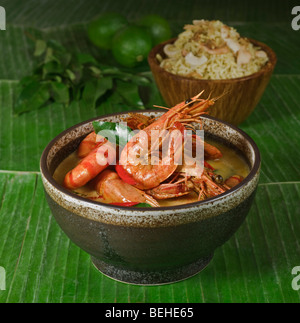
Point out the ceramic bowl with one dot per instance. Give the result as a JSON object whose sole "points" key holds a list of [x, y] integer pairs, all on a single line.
{"points": [[149, 246], [243, 93]]}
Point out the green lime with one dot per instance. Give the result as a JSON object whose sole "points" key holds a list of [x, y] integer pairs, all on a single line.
{"points": [[131, 46], [102, 30], [158, 26]]}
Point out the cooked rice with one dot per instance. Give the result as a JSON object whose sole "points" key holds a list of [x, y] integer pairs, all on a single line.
{"points": [[200, 43]]}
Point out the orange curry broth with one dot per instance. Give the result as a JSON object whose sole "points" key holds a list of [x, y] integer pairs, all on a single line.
{"points": [[230, 164]]}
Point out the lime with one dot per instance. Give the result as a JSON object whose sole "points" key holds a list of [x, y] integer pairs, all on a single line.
{"points": [[158, 26], [131, 46], [103, 28]]}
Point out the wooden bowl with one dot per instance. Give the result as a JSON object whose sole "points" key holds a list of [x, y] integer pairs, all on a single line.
{"points": [[243, 93]]}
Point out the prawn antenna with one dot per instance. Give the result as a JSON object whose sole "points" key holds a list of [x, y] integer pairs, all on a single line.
{"points": [[160, 107], [220, 96]]}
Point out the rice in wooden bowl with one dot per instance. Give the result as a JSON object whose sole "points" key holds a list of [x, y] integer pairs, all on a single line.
{"points": [[212, 56]]}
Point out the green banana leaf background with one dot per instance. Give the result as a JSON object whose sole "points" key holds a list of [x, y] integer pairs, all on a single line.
{"points": [[42, 265]]}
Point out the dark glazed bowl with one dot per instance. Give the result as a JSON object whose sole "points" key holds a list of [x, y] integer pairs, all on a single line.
{"points": [[243, 93], [150, 246]]}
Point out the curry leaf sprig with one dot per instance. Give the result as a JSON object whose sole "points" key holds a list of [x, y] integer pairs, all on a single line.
{"points": [[64, 77]]}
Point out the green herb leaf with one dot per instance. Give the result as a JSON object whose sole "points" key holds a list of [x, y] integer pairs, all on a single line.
{"points": [[57, 46], [52, 68], [140, 80], [40, 47], [117, 133], [143, 205], [60, 92], [130, 94], [71, 75], [32, 97], [84, 58], [63, 77], [94, 89], [112, 102], [95, 70], [49, 55]]}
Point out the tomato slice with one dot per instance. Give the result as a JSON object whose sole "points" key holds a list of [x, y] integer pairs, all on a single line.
{"points": [[124, 204], [124, 175]]}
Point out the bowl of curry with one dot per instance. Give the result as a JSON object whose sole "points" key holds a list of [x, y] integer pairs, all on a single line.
{"points": [[139, 232]]}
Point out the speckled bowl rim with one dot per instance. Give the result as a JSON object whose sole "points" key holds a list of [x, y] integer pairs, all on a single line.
{"points": [[269, 66], [45, 172]]}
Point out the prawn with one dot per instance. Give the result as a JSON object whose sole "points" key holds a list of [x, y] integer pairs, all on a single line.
{"points": [[90, 142], [177, 188], [207, 185], [191, 178], [90, 166], [113, 189], [234, 180], [210, 151], [146, 176]]}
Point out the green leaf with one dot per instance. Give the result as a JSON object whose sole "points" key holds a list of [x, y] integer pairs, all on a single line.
{"points": [[71, 75], [95, 70], [149, 93], [109, 70], [117, 133], [83, 79], [137, 79], [32, 97], [40, 47], [89, 94], [130, 94], [49, 55], [57, 46], [52, 68], [60, 92], [140, 80], [94, 89], [84, 58], [143, 205], [64, 59], [110, 103], [24, 82], [58, 78], [58, 53]]}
